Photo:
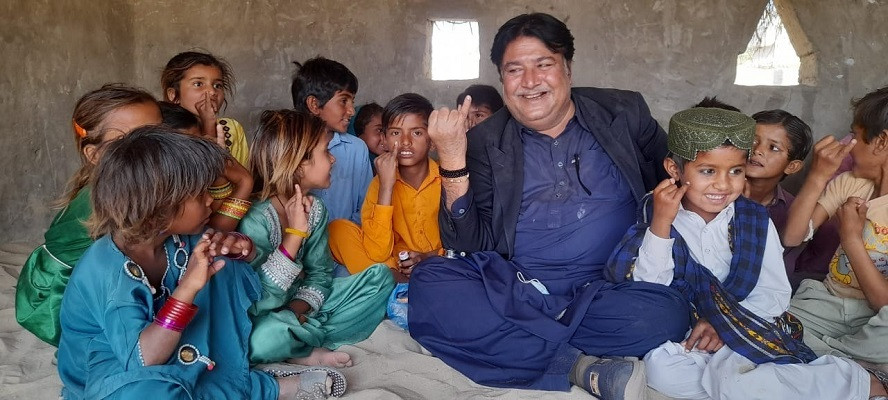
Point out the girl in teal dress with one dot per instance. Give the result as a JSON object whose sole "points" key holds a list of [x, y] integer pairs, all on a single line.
{"points": [[100, 116], [153, 309], [303, 311]]}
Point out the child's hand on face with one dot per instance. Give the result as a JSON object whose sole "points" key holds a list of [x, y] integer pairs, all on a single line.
{"points": [[206, 110], [297, 209], [387, 166], [852, 217], [201, 268], [828, 156], [234, 245], [667, 197]]}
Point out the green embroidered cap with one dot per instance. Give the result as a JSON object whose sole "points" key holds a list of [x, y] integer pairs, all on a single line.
{"points": [[703, 129]]}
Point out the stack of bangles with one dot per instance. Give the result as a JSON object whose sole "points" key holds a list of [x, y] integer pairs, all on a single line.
{"points": [[175, 315], [221, 192], [234, 208]]}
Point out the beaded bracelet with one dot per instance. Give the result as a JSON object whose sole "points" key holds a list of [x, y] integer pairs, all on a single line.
{"points": [[456, 173], [221, 192], [175, 314], [234, 208], [297, 232]]}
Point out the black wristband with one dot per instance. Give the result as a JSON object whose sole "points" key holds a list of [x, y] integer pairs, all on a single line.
{"points": [[459, 173]]}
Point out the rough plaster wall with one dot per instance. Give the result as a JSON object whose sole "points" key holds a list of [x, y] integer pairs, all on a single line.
{"points": [[673, 51], [53, 52]]}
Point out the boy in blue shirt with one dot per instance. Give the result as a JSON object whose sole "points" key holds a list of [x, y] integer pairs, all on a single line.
{"points": [[327, 88]]}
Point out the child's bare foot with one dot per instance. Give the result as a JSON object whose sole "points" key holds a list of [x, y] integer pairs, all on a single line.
{"points": [[325, 357]]}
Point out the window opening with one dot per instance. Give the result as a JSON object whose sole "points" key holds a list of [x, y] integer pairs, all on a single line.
{"points": [[770, 58], [454, 49]]}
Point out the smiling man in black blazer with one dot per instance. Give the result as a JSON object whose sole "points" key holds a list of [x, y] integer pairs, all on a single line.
{"points": [[537, 196]]}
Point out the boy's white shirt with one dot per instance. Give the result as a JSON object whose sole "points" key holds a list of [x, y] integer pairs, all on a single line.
{"points": [[709, 246]]}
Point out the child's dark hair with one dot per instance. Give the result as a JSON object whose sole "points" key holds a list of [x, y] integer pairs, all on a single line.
{"points": [[407, 103], [90, 113], [144, 178], [363, 117], [284, 141], [797, 131], [175, 69], [482, 95], [871, 113], [714, 102], [177, 117], [548, 29], [320, 77]]}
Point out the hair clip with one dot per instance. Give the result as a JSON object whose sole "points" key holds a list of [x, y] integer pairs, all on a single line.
{"points": [[78, 129]]}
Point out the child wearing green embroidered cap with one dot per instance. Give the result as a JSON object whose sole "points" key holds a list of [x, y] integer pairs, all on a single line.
{"points": [[151, 308], [722, 252]]}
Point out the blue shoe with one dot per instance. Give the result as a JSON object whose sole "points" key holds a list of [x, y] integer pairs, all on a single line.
{"points": [[615, 379]]}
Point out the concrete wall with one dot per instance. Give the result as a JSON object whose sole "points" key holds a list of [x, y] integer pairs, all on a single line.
{"points": [[673, 51], [53, 52]]}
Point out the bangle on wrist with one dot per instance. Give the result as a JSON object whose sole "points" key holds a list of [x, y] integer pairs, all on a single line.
{"points": [[234, 208], [284, 251], [175, 314], [460, 179], [297, 232], [222, 191], [458, 173]]}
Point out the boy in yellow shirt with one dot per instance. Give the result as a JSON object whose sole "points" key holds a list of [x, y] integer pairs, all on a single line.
{"points": [[399, 217]]}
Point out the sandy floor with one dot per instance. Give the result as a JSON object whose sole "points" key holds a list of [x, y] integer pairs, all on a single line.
{"points": [[388, 365]]}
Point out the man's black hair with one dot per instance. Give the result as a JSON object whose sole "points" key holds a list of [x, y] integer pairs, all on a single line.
{"points": [[548, 29]]}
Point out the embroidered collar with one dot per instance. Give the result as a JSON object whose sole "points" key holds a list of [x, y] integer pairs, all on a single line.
{"points": [[180, 260]]}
